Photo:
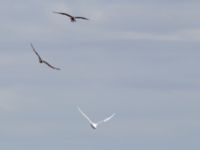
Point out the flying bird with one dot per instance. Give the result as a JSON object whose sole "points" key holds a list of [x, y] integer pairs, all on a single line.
{"points": [[72, 18], [93, 124], [43, 61]]}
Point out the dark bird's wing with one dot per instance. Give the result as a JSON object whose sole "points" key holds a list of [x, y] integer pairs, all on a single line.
{"points": [[61, 13], [50, 65], [40, 59], [81, 18]]}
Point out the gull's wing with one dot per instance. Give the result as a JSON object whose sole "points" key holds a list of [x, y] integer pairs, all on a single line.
{"points": [[36, 52], [50, 65], [90, 121], [107, 119], [61, 13], [81, 18]]}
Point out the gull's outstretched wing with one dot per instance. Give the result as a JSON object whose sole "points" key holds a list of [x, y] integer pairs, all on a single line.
{"points": [[40, 59], [81, 18], [107, 119], [61, 13], [50, 65], [90, 121]]}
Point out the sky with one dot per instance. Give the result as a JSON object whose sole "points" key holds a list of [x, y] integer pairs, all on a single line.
{"points": [[136, 58]]}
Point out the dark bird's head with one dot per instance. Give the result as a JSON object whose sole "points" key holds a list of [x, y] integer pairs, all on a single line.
{"points": [[73, 19]]}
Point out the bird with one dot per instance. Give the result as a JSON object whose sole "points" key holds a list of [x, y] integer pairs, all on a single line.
{"points": [[41, 60], [72, 18], [93, 124]]}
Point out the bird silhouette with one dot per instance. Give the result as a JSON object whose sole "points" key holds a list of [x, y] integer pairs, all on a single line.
{"points": [[93, 124], [72, 18], [41, 60]]}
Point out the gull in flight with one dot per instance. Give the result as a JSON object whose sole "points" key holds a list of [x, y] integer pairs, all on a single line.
{"points": [[93, 124], [72, 18], [43, 61]]}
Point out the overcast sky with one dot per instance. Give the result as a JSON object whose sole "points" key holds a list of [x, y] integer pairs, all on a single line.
{"points": [[137, 58]]}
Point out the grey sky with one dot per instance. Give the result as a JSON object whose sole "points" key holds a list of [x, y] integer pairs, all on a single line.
{"points": [[137, 58]]}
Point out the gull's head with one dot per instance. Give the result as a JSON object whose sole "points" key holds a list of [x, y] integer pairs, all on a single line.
{"points": [[94, 125]]}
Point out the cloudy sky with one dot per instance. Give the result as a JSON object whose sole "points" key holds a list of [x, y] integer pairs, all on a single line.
{"points": [[137, 58]]}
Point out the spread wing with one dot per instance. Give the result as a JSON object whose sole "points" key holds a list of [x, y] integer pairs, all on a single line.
{"points": [[81, 18], [107, 119], [61, 13], [40, 59], [85, 115], [50, 65]]}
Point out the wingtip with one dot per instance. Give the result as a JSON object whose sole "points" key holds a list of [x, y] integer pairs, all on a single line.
{"points": [[78, 107], [113, 114], [31, 45], [58, 69], [56, 12]]}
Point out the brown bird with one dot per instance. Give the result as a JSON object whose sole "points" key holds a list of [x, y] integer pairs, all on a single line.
{"points": [[43, 61], [72, 18]]}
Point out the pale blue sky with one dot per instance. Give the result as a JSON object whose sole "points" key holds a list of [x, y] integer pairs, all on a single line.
{"points": [[137, 58]]}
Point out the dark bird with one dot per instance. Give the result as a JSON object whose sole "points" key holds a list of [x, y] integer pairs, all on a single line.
{"points": [[43, 61], [72, 18]]}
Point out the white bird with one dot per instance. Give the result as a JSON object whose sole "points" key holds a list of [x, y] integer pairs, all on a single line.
{"points": [[93, 124]]}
